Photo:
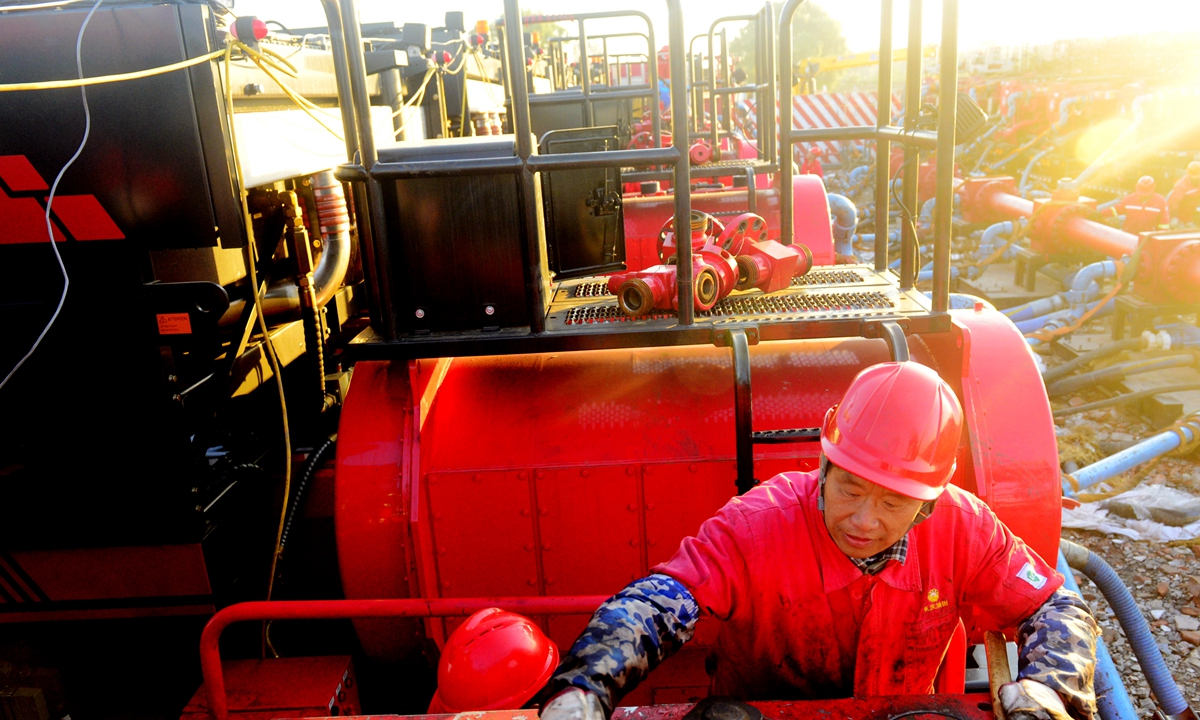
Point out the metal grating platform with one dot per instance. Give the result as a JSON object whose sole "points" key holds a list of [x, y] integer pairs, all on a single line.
{"points": [[845, 301], [749, 304], [599, 288]]}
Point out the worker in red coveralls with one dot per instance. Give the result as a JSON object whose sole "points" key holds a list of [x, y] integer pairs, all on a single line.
{"points": [[812, 162], [1144, 209], [1186, 195], [848, 580]]}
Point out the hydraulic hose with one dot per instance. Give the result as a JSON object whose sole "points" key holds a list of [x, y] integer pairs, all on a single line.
{"points": [[1127, 397], [1112, 700], [1119, 371], [310, 468], [1089, 357], [1137, 630]]}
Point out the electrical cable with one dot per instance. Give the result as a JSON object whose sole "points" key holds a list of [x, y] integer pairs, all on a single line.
{"points": [[87, 130], [272, 357], [1126, 397], [102, 79]]}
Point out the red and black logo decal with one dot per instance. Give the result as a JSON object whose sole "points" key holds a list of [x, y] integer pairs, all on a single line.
{"points": [[23, 195]]}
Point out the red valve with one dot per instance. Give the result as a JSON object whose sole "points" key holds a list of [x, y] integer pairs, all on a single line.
{"points": [[770, 266], [706, 229], [744, 228], [639, 292], [700, 153]]}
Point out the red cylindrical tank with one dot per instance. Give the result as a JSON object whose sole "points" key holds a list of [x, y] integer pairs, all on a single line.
{"points": [[573, 473]]}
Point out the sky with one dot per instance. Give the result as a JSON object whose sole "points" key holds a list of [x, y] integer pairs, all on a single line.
{"points": [[981, 22]]}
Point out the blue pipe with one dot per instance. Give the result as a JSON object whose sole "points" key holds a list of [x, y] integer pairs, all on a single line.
{"points": [[1086, 283], [1037, 323], [1137, 630], [857, 174], [1024, 187], [1071, 317], [845, 221], [927, 275], [1104, 206], [1112, 700], [1037, 308], [962, 301], [1128, 458]]}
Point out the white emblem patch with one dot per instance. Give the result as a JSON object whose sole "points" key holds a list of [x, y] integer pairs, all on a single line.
{"points": [[1031, 576]]}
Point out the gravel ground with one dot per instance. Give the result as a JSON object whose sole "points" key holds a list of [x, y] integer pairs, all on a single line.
{"points": [[1164, 580]]}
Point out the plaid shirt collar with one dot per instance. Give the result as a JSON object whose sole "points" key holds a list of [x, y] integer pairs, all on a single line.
{"points": [[876, 563]]}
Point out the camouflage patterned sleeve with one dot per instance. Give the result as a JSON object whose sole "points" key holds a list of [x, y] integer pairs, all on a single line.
{"points": [[1058, 649], [629, 636]]}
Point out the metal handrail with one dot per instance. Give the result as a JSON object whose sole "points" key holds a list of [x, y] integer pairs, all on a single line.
{"points": [[367, 170], [210, 638], [884, 133], [584, 76]]}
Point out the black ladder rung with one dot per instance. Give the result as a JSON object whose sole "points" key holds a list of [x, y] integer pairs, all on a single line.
{"points": [[776, 437]]}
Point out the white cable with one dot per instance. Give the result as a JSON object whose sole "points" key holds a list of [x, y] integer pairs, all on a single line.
{"points": [[87, 129]]}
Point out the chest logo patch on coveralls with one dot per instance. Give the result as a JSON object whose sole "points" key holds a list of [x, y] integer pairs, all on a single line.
{"points": [[935, 601], [1031, 576]]}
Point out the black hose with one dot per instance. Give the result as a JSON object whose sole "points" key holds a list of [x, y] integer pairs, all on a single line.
{"points": [[1119, 371], [1137, 630], [310, 466], [1127, 397], [1070, 366]]}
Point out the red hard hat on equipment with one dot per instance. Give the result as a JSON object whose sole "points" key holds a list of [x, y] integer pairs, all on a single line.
{"points": [[898, 426], [496, 660], [1145, 184]]}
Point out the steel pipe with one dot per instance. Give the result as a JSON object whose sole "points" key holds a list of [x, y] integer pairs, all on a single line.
{"points": [[210, 649], [883, 144]]}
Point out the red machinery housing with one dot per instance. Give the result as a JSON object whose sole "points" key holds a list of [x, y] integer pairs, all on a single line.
{"points": [[572, 474], [645, 215]]}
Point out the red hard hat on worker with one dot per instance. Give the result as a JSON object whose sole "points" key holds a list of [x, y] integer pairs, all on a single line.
{"points": [[898, 426], [496, 660], [1145, 184]]}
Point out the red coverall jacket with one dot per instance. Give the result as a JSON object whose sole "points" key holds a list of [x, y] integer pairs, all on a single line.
{"points": [[1142, 214], [801, 621], [1183, 200]]}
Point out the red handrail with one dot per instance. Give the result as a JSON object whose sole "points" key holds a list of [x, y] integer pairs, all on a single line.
{"points": [[210, 651]]}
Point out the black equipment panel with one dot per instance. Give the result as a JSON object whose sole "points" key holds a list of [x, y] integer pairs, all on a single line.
{"points": [[585, 233]]}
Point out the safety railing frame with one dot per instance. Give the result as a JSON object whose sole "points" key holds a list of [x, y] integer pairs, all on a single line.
{"points": [[884, 133], [415, 608], [585, 84], [367, 172], [558, 61]]}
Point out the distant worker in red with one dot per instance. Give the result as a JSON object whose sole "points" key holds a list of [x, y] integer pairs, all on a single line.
{"points": [[847, 581], [1186, 195], [812, 162], [1144, 209]]}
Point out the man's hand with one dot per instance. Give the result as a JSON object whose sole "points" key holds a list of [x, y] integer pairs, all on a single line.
{"points": [[1030, 700], [576, 704]]}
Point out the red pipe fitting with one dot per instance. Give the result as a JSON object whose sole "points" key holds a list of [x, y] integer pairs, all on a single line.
{"points": [[700, 153], [640, 292], [724, 264], [705, 228], [770, 266]]}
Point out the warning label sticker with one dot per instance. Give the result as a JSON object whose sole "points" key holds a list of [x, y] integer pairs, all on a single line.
{"points": [[174, 324]]}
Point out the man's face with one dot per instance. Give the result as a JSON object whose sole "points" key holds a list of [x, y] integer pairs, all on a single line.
{"points": [[863, 518]]}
